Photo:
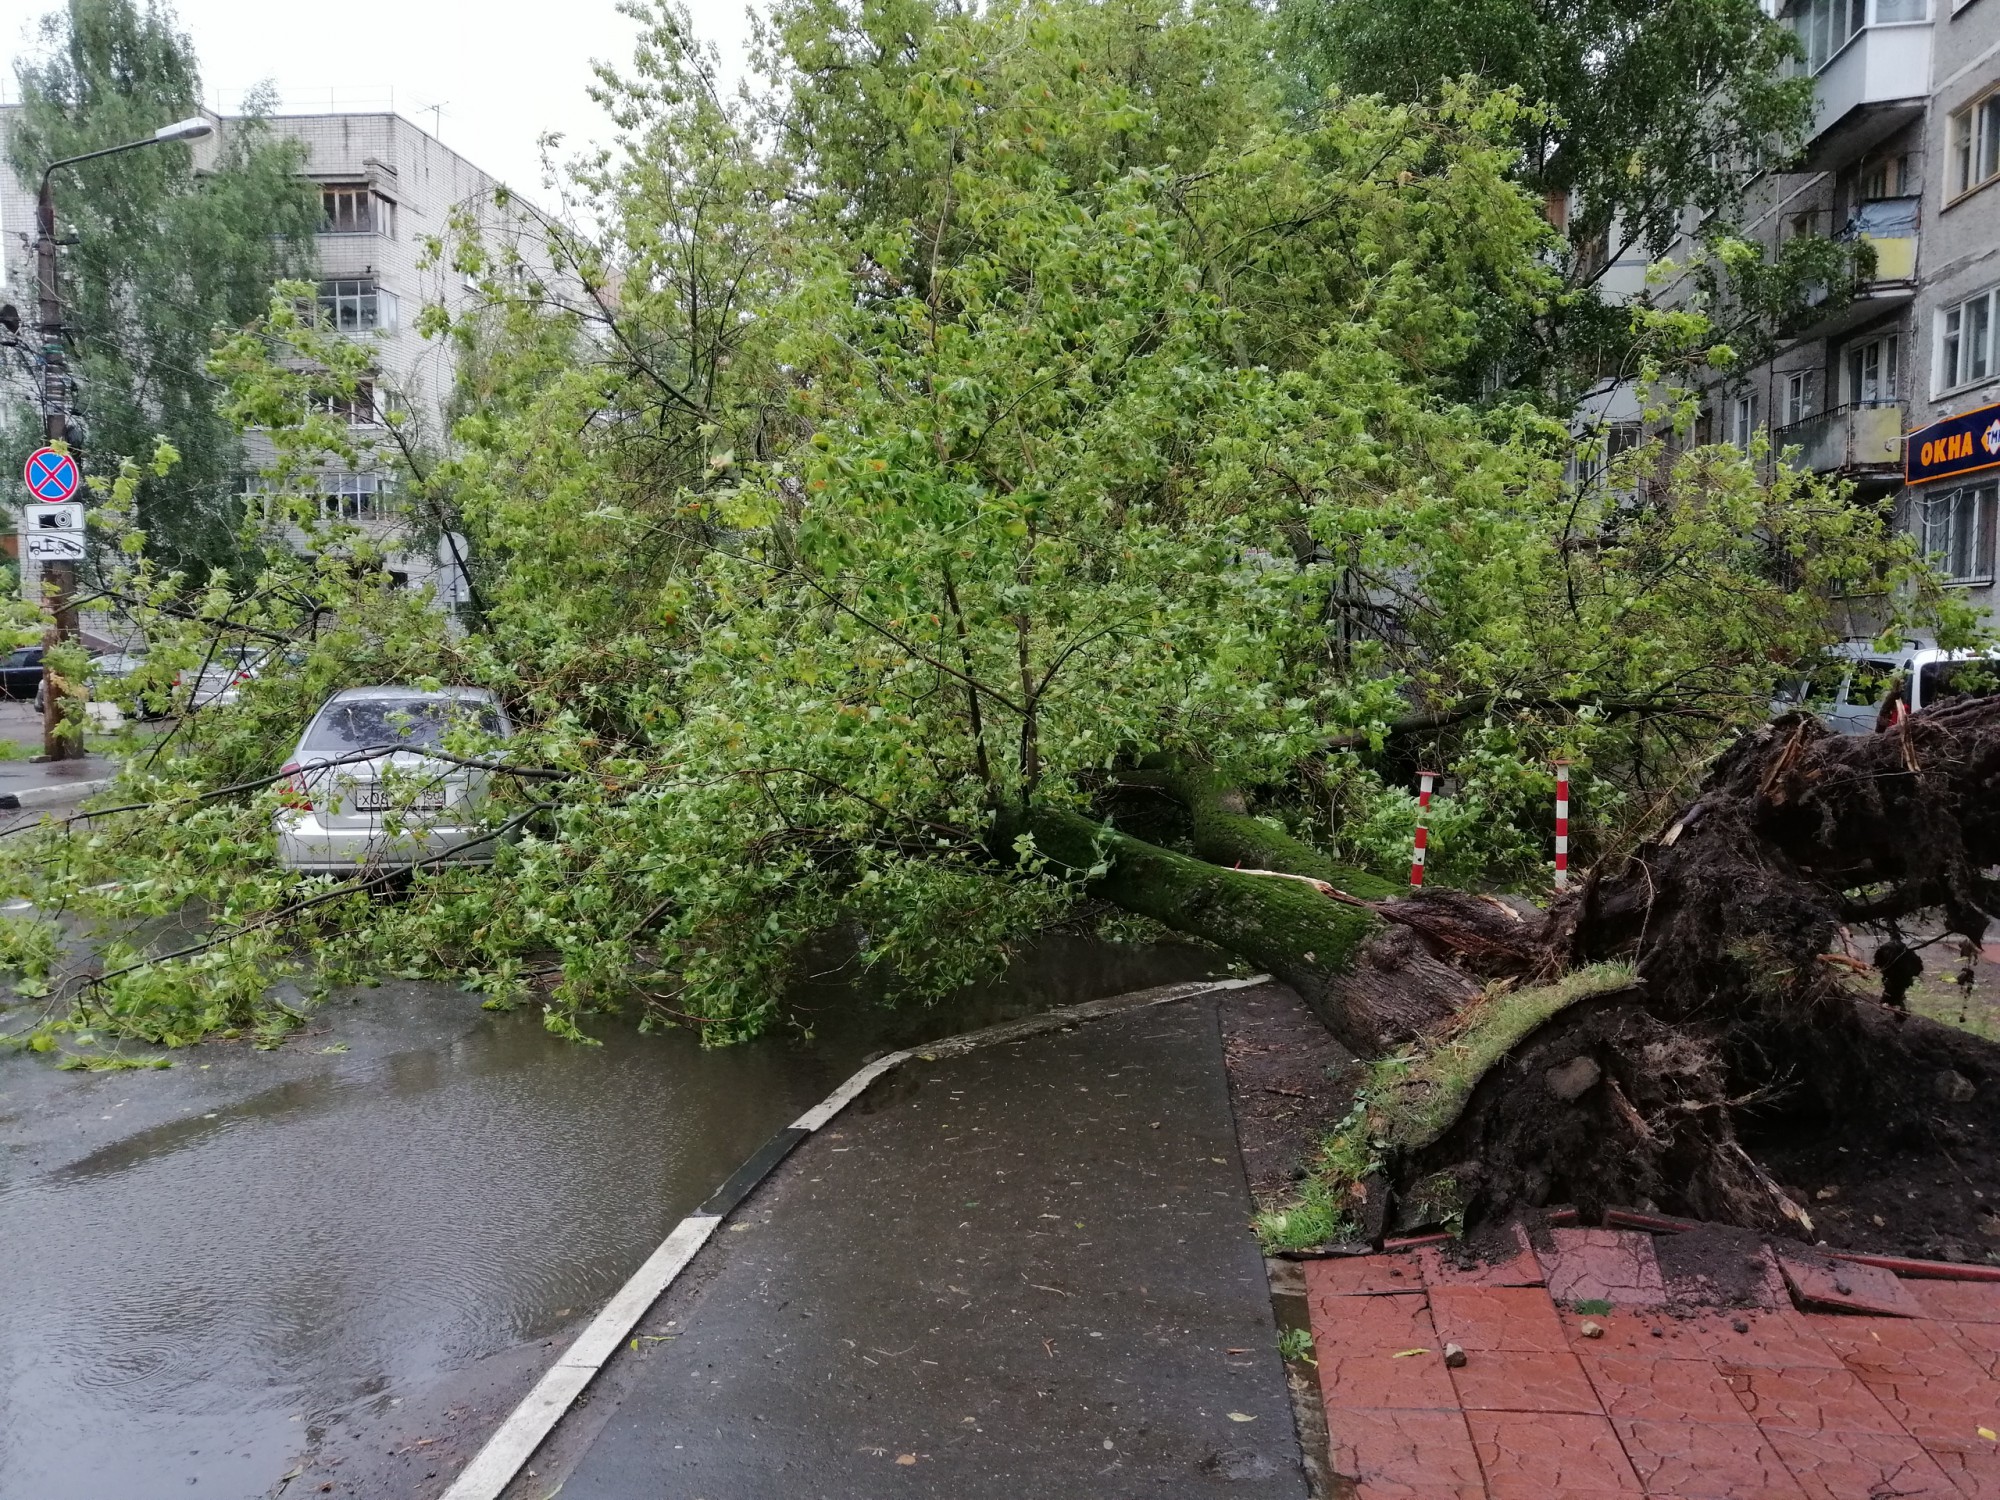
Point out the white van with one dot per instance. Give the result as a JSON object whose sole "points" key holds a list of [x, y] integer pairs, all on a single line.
{"points": [[1851, 688]]}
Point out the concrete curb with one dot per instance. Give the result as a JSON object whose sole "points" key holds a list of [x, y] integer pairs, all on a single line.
{"points": [[524, 1429], [53, 795]]}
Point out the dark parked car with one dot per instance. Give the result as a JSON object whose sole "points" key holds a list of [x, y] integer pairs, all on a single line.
{"points": [[21, 672]]}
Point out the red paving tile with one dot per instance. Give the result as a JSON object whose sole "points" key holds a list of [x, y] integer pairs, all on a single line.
{"points": [[1607, 1265], [1834, 1465], [1830, 1399], [1524, 1381], [1629, 1333], [1632, 1385], [1980, 1340], [1369, 1357], [1362, 1275], [1707, 1460], [1975, 1471], [1520, 1319], [1536, 1455], [1760, 1337], [1522, 1268], [1847, 1287], [1758, 1404], [1404, 1453], [1959, 1301]]}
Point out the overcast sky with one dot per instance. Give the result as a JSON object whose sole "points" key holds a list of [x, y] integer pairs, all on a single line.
{"points": [[500, 71]]}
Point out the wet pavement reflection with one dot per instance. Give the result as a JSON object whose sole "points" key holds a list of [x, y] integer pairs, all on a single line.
{"points": [[205, 1268]]}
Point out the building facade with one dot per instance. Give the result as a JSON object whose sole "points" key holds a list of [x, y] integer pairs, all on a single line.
{"points": [[1904, 153], [386, 186]]}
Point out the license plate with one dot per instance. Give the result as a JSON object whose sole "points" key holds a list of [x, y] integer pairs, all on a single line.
{"points": [[376, 799]]}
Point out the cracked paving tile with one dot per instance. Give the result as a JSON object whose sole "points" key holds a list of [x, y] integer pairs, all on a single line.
{"points": [[1707, 1460], [1537, 1455]]}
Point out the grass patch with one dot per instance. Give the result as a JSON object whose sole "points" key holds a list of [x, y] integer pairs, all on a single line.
{"points": [[1411, 1099]]}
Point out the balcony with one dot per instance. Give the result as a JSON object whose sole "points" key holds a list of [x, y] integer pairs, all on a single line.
{"points": [[1889, 227], [1854, 442], [1871, 65]]}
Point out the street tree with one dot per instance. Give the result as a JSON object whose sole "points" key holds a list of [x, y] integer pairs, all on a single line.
{"points": [[156, 256], [1646, 115]]}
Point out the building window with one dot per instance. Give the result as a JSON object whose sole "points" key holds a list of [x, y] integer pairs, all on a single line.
{"points": [[1871, 372], [1886, 177], [1743, 420], [357, 409], [354, 497], [1798, 397], [1603, 447], [1957, 530], [357, 306], [1825, 26], [1973, 158], [1965, 341], [340, 497], [348, 210]]}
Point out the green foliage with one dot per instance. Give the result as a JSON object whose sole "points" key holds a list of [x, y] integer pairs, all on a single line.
{"points": [[1643, 113], [29, 947], [1296, 1344], [1007, 400], [160, 256]]}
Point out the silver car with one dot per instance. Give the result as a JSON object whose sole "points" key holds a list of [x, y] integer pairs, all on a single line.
{"points": [[347, 809]]}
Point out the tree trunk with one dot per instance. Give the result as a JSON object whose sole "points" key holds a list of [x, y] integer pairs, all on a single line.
{"points": [[1373, 984]]}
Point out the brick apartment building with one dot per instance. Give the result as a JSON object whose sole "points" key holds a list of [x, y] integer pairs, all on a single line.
{"points": [[385, 184]]}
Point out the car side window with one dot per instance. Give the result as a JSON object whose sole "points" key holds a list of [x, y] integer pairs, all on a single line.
{"points": [[1945, 680], [1870, 683]]}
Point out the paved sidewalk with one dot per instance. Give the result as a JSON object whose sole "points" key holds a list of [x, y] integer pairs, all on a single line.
{"points": [[1835, 1382], [24, 784], [1023, 1271]]}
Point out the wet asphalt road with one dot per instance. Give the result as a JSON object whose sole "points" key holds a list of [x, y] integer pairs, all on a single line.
{"points": [[1022, 1271], [345, 1258]]}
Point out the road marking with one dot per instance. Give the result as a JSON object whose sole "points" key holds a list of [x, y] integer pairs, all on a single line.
{"points": [[525, 1428]]}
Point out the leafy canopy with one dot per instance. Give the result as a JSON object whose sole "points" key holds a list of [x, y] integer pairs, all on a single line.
{"points": [[1000, 401], [157, 256]]}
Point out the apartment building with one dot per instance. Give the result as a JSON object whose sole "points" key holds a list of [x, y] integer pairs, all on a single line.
{"points": [[1898, 389], [385, 185]]}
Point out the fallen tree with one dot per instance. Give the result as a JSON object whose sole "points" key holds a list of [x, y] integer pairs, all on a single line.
{"points": [[1741, 999], [1036, 414]]}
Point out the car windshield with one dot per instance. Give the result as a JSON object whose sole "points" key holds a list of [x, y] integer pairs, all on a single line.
{"points": [[1872, 683], [418, 723]]}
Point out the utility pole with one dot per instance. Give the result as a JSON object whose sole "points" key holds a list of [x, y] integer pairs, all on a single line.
{"points": [[58, 402], [58, 575]]}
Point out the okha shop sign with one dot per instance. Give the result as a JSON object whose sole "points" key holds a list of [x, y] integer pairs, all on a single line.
{"points": [[1958, 445]]}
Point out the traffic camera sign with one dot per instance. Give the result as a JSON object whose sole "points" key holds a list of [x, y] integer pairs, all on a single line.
{"points": [[52, 477]]}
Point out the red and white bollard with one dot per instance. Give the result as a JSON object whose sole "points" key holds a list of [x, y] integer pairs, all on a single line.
{"points": [[1562, 824], [1425, 780]]}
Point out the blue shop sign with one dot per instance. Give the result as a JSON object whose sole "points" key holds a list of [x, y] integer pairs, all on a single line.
{"points": [[1958, 445]]}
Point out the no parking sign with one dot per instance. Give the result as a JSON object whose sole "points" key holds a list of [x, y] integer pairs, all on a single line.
{"points": [[52, 477]]}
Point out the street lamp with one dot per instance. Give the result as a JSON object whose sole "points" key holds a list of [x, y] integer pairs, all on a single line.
{"points": [[56, 402]]}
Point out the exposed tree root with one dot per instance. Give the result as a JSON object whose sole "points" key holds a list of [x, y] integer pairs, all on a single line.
{"points": [[1748, 1012]]}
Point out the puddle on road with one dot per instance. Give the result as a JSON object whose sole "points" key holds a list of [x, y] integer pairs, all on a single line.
{"points": [[187, 1303]]}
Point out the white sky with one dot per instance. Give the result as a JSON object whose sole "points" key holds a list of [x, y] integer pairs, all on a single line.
{"points": [[502, 71]]}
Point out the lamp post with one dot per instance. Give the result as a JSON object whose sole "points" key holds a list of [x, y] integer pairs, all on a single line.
{"points": [[60, 577]]}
